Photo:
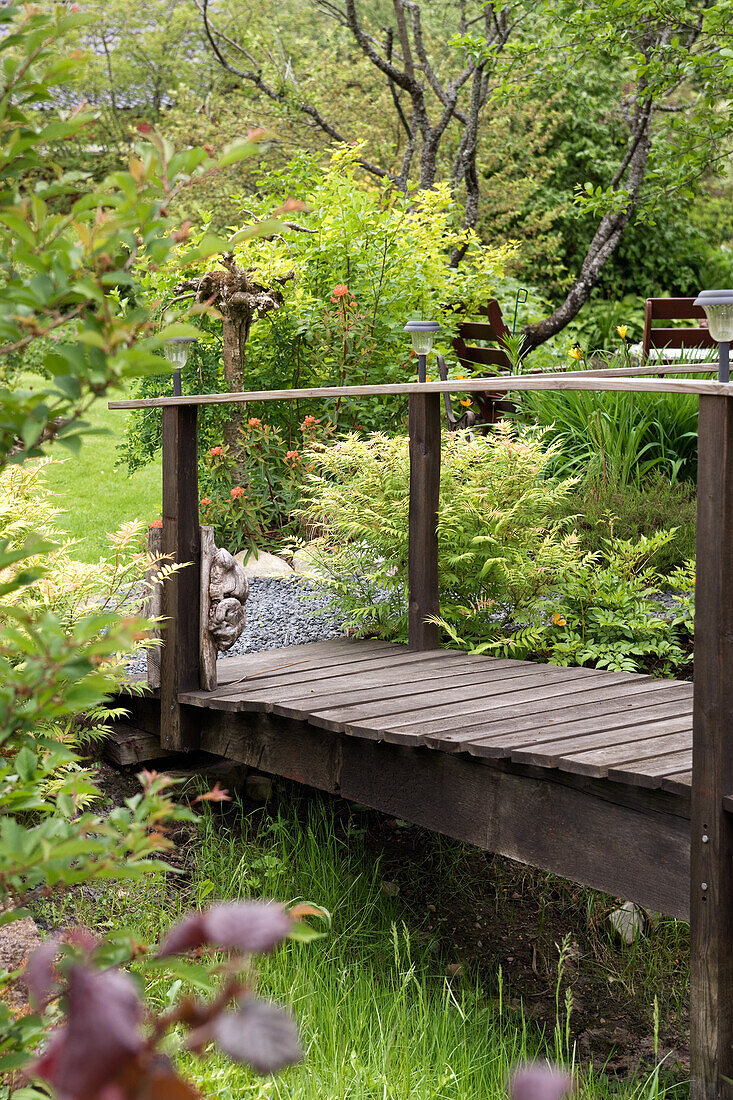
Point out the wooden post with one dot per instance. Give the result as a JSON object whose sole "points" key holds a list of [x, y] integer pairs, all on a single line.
{"points": [[179, 670], [424, 427], [711, 899]]}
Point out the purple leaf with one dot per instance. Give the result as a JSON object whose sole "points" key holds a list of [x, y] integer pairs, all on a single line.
{"points": [[260, 1034], [100, 1036], [247, 926], [539, 1081]]}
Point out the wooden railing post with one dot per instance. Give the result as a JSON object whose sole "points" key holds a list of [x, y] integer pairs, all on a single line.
{"points": [[424, 428], [711, 901], [179, 666]]}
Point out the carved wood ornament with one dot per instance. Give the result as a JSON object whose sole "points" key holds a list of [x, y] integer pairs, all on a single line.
{"points": [[224, 592]]}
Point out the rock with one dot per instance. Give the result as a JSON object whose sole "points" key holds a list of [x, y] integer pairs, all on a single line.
{"points": [[390, 889], [306, 562], [258, 787], [18, 940], [264, 565], [627, 922]]}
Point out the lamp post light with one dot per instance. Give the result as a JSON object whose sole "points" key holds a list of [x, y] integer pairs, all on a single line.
{"points": [[176, 352], [423, 334], [718, 306]]}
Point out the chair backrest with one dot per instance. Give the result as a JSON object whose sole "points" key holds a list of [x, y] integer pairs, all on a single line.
{"points": [[673, 339], [492, 329]]}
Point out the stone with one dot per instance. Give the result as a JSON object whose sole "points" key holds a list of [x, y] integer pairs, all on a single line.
{"points": [[264, 565], [258, 787], [627, 922], [306, 562]]}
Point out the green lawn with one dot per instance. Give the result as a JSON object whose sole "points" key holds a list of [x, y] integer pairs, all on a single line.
{"points": [[95, 496]]}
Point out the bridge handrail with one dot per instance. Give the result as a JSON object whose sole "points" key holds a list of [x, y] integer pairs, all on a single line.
{"points": [[630, 379]]}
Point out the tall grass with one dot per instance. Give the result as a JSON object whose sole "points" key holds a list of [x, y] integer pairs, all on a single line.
{"points": [[380, 1017], [617, 439]]}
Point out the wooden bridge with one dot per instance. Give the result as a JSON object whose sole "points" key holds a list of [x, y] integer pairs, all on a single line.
{"points": [[618, 781]]}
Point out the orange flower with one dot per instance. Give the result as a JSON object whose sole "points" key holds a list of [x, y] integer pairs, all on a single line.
{"points": [[339, 291], [237, 492], [558, 619], [205, 500], [466, 402], [292, 456], [254, 422], [310, 422], [216, 451], [157, 523]]}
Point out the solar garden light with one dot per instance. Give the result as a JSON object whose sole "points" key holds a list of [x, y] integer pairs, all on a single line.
{"points": [[718, 306], [423, 334], [176, 352]]}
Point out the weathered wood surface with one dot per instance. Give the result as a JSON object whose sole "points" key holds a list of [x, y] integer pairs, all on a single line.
{"points": [[573, 720], [573, 826], [132, 745], [568, 380], [422, 586], [711, 899], [179, 669], [207, 645]]}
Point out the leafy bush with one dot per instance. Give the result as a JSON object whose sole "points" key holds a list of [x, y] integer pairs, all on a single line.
{"points": [[250, 501], [69, 250], [501, 545], [513, 580]]}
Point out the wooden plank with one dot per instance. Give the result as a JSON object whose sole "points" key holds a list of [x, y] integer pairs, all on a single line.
{"points": [[610, 729], [649, 772], [304, 668], [448, 727], [606, 694], [327, 708], [311, 655], [673, 309], [365, 719], [422, 580], [129, 745], [378, 672], [678, 783], [179, 667], [477, 330], [575, 381], [681, 338], [468, 354], [667, 735], [570, 826], [207, 645], [497, 744], [711, 899]]}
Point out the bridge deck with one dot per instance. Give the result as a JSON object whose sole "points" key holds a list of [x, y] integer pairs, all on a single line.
{"points": [[615, 725]]}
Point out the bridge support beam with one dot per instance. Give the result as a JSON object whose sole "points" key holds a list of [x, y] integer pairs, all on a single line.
{"points": [[179, 664], [424, 427], [711, 897]]}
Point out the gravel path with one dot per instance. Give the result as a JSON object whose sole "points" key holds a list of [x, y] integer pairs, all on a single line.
{"points": [[280, 613]]}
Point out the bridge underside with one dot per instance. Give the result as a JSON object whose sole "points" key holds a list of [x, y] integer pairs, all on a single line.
{"points": [[579, 772]]}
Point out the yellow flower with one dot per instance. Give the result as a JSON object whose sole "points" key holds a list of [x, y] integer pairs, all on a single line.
{"points": [[575, 353], [622, 330], [466, 402], [558, 619]]}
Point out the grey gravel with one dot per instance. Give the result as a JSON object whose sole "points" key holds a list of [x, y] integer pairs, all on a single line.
{"points": [[280, 612]]}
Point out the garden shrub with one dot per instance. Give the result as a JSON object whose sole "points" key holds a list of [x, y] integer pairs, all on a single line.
{"points": [[501, 543], [68, 247], [250, 500], [513, 578]]}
